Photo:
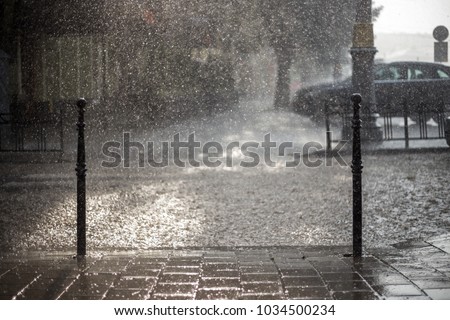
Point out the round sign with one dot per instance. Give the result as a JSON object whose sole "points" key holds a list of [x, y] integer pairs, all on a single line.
{"points": [[440, 33]]}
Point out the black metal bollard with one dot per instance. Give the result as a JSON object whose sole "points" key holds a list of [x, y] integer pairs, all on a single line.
{"points": [[328, 129], [357, 172], [81, 181], [405, 120]]}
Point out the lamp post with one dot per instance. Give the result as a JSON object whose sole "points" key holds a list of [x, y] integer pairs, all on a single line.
{"points": [[363, 54]]}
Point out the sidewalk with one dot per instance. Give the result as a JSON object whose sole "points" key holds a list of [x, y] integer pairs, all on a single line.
{"points": [[411, 270]]}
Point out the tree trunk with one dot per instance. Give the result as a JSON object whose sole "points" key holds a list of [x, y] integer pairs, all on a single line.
{"points": [[282, 91]]}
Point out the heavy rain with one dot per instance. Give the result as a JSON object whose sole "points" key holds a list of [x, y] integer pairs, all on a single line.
{"points": [[215, 123]]}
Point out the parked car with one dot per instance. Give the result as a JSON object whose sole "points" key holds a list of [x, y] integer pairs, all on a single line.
{"points": [[421, 86]]}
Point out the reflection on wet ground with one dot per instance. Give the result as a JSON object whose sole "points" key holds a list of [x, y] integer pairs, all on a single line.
{"points": [[414, 270]]}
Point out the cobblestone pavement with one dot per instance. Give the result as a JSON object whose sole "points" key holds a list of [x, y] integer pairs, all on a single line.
{"points": [[411, 270]]}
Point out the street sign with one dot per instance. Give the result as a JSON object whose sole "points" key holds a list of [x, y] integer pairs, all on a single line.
{"points": [[440, 33], [440, 52]]}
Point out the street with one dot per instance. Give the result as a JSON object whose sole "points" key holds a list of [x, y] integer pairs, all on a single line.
{"points": [[405, 195]]}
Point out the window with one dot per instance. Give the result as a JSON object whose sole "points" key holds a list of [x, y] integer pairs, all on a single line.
{"points": [[415, 74], [442, 74], [388, 73]]}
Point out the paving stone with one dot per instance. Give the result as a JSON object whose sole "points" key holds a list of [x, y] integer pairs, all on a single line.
{"points": [[338, 277], [255, 277], [112, 263], [264, 296], [433, 283], [357, 295], [182, 264], [174, 288], [3, 271], [254, 261], [340, 269], [60, 274], [17, 278], [386, 278], [268, 269], [303, 282], [413, 268], [218, 294], [257, 263], [148, 260], [219, 266], [349, 286], [81, 290], [292, 264], [112, 270], [407, 298], [9, 290], [324, 259], [218, 253], [268, 287], [303, 272], [126, 294], [288, 257], [187, 254], [376, 272], [141, 273], [40, 294], [220, 256], [51, 283], [214, 283], [311, 293], [252, 253], [364, 261], [73, 265], [182, 270], [159, 296], [32, 270], [157, 254], [108, 267], [221, 274], [84, 297], [438, 294], [398, 290], [267, 273], [145, 266], [136, 283], [178, 278], [8, 265], [119, 256], [224, 260], [90, 285]]}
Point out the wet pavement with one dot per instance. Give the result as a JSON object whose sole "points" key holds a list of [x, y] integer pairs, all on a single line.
{"points": [[415, 269]]}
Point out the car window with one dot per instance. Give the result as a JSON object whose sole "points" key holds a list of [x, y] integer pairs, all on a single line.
{"points": [[415, 73], [388, 73], [442, 74]]}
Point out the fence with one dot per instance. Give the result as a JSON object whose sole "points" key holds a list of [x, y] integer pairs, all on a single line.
{"points": [[407, 123], [37, 127]]}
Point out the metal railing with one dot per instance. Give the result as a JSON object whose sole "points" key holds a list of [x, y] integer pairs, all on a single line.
{"points": [[32, 129], [408, 123]]}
